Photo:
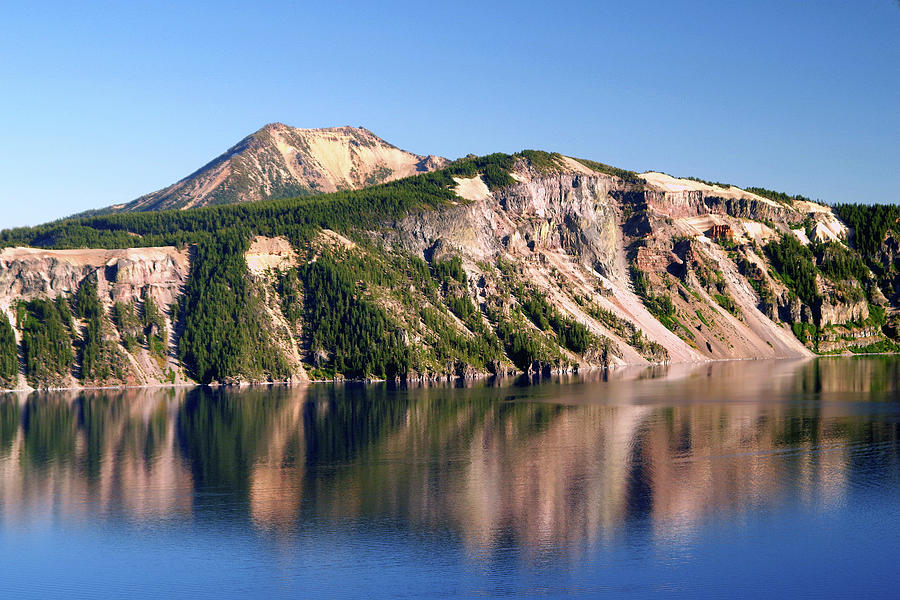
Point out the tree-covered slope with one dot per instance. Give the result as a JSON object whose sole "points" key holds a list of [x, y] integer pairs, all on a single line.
{"points": [[503, 263]]}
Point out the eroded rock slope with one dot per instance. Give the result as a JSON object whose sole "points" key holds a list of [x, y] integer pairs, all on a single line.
{"points": [[530, 263], [279, 161]]}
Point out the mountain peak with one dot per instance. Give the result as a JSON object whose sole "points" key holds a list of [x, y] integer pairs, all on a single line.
{"points": [[280, 161], [279, 127], [270, 127]]}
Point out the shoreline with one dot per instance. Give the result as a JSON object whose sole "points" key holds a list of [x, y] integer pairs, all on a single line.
{"points": [[434, 379]]}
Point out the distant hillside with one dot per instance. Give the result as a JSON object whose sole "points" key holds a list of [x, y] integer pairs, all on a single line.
{"points": [[532, 262], [281, 162]]}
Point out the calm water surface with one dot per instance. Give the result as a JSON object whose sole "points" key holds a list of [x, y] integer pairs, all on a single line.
{"points": [[747, 479]]}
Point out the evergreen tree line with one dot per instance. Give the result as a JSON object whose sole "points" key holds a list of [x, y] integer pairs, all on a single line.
{"points": [[295, 218], [224, 335], [870, 224], [94, 359], [779, 197], [124, 316], [356, 336], [625, 329], [46, 327], [570, 333], [795, 264], [9, 352], [660, 306], [523, 346], [798, 265], [483, 349], [154, 327]]}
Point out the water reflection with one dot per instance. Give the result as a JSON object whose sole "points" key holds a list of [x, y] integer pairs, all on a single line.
{"points": [[555, 467]]}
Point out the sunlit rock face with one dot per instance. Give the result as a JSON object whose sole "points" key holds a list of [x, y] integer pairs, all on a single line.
{"points": [[121, 275], [568, 212], [279, 161], [132, 277], [579, 233], [646, 269]]}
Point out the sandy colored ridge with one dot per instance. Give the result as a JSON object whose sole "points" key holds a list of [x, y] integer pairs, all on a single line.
{"points": [[267, 254], [96, 257], [668, 183], [473, 188]]}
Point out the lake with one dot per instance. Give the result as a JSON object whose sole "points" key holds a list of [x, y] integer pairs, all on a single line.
{"points": [[729, 479]]}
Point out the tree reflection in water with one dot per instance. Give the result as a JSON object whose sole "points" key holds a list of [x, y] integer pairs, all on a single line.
{"points": [[541, 468]]}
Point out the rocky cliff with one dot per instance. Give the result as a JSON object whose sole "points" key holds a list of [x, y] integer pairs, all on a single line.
{"points": [[123, 275], [548, 264], [572, 235], [131, 277]]}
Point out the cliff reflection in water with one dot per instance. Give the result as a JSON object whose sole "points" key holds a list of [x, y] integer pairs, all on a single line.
{"points": [[538, 467]]}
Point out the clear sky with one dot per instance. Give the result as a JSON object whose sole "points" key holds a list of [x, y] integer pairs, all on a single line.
{"points": [[103, 102]]}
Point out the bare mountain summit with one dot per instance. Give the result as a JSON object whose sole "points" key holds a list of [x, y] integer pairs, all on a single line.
{"points": [[280, 162]]}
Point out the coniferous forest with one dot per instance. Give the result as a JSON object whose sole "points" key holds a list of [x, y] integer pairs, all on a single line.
{"points": [[220, 326]]}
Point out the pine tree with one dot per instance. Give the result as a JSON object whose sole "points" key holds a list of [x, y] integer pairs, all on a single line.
{"points": [[9, 352]]}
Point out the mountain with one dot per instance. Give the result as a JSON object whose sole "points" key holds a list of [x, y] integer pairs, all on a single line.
{"points": [[281, 162], [532, 262]]}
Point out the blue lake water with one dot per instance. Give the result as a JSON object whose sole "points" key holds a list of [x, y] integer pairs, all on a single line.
{"points": [[732, 479]]}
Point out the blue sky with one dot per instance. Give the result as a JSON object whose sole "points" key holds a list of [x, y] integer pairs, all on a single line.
{"points": [[103, 102]]}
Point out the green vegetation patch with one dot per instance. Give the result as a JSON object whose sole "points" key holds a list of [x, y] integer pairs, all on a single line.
{"points": [[626, 330], [98, 357], [124, 316], [570, 333], [728, 303], [795, 265], [494, 168], [870, 224], [660, 306], [839, 263], [225, 335], [710, 183], [352, 335], [882, 346], [9, 353], [449, 269], [543, 162], [623, 174], [779, 197], [523, 346], [46, 340], [154, 328]]}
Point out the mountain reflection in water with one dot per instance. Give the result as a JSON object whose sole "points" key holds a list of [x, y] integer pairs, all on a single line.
{"points": [[556, 469]]}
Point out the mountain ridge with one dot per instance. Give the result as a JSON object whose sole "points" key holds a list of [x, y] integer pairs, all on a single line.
{"points": [[279, 161], [498, 264]]}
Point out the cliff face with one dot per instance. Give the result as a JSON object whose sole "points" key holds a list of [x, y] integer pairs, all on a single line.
{"points": [[282, 162], [122, 275], [571, 213], [679, 260], [577, 236], [131, 277], [565, 267]]}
